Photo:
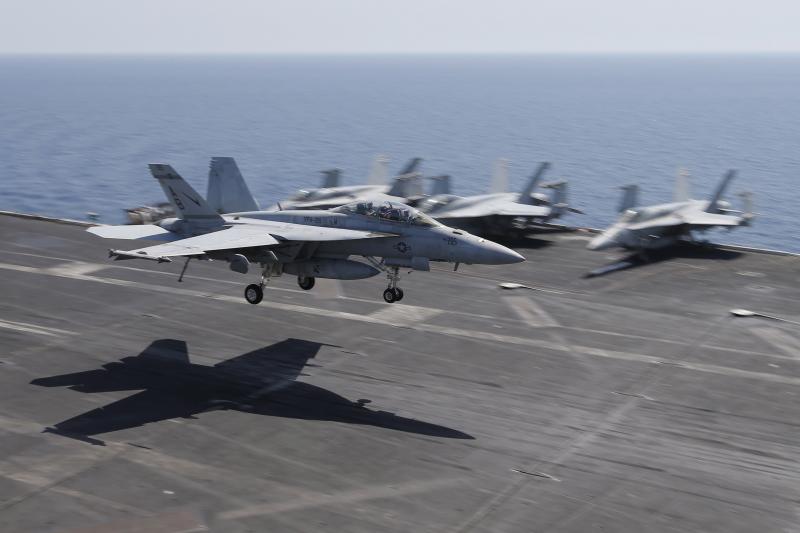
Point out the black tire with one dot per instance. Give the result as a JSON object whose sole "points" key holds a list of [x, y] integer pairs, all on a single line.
{"points": [[398, 294], [253, 294], [306, 282], [389, 296]]}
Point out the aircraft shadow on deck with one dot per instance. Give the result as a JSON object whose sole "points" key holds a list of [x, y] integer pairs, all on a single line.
{"points": [[531, 238], [262, 382], [686, 250], [527, 242]]}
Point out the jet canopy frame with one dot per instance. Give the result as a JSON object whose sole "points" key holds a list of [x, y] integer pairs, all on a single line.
{"points": [[389, 211]]}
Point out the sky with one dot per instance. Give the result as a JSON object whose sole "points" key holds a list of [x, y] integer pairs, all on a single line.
{"points": [[398, 26]]}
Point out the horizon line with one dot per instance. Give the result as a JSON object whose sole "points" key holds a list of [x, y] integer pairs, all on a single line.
{"points": [[409, 54]]}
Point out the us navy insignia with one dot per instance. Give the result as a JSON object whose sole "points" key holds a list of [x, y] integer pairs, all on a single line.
{"points": [[402, 247]]}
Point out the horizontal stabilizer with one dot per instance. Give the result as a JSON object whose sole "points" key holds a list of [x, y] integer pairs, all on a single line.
{"points": [[134, 231]]}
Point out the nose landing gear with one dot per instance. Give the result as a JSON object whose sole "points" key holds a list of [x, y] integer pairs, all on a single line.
{"points": [[393, 293]]}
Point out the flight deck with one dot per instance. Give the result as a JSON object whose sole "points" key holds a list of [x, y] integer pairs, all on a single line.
{"points": [[631, 399]]}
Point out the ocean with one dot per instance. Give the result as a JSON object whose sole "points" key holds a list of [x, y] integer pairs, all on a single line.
{"points": [[77, 133]]}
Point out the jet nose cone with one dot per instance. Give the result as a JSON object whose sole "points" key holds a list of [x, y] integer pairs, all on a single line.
{"points": [[491, 253], [601, 242]]}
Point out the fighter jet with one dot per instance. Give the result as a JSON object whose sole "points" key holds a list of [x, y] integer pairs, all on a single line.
{"points": [[497, 213], [305, 243], [661, 225], [405, 186]]}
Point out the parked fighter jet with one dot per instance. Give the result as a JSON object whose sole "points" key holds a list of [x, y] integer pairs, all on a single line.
{"points": [[406, 185], [307, 244], [662, 225], [497, 213]]}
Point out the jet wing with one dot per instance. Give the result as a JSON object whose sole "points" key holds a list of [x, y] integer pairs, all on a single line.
{"points": [[245, 236], [507, 209], [134, 231], [299, 232]]}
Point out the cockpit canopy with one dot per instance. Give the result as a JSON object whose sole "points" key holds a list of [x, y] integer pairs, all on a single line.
{"points": [[437, 202], [304, 195], [630, 215], [386, 210]]}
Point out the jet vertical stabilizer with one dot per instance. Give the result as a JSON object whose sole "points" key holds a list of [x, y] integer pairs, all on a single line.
{"points": [[187, 202], [411, 166], [441, 185], [379, 171], [525, 195], [407, 186], [559, 202], [227, 190], [499, 180], [681, 186], [330, 178], [713, 204], [630, 198]]}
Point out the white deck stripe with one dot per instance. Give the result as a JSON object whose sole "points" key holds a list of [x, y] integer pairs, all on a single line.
{"points": [[404, 315], [456, 332], [779, 339], [33, 328], [530, 312]]}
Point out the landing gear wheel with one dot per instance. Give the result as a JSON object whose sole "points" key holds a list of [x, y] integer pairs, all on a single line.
{"points": [[253, 294], [389, 296], [306, 282], [398, 294]]}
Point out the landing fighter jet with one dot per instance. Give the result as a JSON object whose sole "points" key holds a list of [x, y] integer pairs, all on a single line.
{"points": [[308, 244], [406, 185], [657, 226], [497, 213]]}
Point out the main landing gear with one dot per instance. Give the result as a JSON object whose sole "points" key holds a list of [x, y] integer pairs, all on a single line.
{"points": [[393, 293], [255, 293], [306, 282]]}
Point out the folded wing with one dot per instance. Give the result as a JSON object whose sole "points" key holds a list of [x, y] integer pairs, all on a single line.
{"points": [[698, 219], [509, 209]]}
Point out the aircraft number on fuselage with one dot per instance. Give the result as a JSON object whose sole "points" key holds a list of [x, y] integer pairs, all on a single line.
{"points": [[318, 221], [452, 241]]}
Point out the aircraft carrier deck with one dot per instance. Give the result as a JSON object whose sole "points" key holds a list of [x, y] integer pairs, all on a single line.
{"points": [[631, 401]]}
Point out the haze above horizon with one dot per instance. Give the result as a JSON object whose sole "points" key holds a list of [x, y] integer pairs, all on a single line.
{"points": [[364, 27]]}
